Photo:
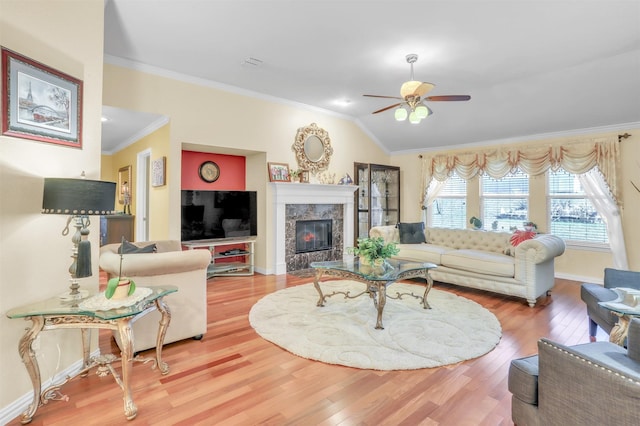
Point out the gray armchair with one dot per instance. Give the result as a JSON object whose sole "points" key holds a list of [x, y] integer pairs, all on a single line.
{"points": [[594, 383], [591, 294]]}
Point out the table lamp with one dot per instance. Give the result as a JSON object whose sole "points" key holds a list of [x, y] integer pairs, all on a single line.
{"points": [[78, 198]]}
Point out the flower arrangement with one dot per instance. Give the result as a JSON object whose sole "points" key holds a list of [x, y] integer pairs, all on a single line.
{"points": [[530, 226], [373, 250]]}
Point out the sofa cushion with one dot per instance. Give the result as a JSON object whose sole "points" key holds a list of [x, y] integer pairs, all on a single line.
{"points": [[422, 252], [411, 233], [523, 379], [481, 262]]}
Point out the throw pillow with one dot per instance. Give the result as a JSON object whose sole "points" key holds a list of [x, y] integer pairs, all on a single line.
{"points": [[128, 248], [411, 233]]}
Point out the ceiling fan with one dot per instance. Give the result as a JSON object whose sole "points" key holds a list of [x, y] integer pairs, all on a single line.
{"points": [[412, 95]]}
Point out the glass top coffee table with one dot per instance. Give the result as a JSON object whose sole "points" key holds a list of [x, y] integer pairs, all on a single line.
{"points": [[375, 278]]}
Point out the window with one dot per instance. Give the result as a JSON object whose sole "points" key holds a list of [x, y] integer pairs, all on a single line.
{"points": [[504, 202], [572, 216], [449, 209]]}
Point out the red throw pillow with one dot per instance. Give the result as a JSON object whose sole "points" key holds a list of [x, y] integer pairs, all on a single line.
{"points": [[520, 236]]}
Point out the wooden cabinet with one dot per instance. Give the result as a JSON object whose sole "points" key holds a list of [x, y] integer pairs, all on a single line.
{"points": [[114, 227], [377, 198]]}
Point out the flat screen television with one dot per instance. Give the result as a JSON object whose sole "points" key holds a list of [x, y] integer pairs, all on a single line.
{"points": [[208, 215]]}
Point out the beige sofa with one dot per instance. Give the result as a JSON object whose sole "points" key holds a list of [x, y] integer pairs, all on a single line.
{"points": [[169, 265], [477, 259]]}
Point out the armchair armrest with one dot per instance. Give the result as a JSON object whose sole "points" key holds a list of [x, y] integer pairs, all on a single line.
{"points": [[545, 247], [150, 264]]}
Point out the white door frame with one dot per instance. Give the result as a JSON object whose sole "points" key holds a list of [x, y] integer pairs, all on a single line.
{"points": [[142, 195]]}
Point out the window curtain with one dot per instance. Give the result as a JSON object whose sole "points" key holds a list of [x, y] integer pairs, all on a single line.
{"points": [[433, 190], [596, 189], [576, 157]]}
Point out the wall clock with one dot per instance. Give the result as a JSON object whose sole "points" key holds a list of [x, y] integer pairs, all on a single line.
{"points": [[209, 171]]}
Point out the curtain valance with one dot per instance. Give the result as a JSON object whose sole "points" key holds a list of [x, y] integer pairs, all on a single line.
{"points": [[575, 157]]}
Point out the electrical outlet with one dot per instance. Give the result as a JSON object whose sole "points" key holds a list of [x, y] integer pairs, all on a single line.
{"points": [[35, 345]]}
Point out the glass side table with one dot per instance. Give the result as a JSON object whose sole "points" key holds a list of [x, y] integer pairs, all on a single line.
{"points": [[624, 313], [376, 279], [56, 313]]}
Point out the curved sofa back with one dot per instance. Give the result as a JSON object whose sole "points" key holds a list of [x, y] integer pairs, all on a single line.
{"points": [[492, 241]]}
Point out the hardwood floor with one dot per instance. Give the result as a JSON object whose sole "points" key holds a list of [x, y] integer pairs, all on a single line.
{"points": [[234, 377]]}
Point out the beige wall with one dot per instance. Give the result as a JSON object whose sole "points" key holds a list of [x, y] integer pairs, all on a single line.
{"points": [[158, 143], [34, 256], [579, 264], [211, 120]]}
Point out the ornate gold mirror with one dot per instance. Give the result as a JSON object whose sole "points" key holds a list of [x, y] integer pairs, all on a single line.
{"points": [[313, 148]]}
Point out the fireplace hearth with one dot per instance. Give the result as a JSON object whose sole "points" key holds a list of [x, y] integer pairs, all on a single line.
{"points": [[313, 235]]}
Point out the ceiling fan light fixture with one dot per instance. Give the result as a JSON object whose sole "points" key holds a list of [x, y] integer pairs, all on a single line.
{"points": [[413, 118], [400, 114], [422, 111]]}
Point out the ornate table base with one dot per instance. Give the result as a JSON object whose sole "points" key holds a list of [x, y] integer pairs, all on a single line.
{"points": [[86, 323], [376, 289]]}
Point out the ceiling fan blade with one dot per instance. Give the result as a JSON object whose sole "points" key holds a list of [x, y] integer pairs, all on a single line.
{"points": [[386, 108], [448, 98], [381, 96]]}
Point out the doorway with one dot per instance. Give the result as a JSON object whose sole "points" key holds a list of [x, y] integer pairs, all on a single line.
{"points": [[142, 199]]}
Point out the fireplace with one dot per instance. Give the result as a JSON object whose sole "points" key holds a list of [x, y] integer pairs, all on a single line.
{"points": [[294, 202], [314, 235]]}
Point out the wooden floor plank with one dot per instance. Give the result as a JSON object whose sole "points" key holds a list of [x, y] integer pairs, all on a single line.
{"points": [[234, 377]]}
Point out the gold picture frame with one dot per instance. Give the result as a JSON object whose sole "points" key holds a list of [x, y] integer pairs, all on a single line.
{"points": [[279, 172], [124, 185]]}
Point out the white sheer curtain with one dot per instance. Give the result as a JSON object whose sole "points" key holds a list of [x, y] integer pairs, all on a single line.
{"points": [[432, 192], [598, 193]]}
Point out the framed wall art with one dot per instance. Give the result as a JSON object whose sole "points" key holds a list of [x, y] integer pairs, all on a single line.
{"points": [[158, 172], [40, 103], [279, 172]]}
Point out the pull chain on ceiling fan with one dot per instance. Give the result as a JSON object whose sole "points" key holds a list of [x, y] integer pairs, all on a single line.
{"points": [[412, 95]]}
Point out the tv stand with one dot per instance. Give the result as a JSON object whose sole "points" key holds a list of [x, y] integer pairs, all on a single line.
{"points": [[229, 256]]}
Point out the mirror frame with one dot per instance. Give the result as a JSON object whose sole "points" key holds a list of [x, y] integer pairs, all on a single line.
{"points": [[124, 175], [304, 162]]}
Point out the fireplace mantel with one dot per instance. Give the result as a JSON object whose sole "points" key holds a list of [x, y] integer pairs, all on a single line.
{"points": [[307, 193]]}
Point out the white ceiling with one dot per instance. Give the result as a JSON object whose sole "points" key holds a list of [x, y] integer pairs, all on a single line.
{"points": [[532, 68]]}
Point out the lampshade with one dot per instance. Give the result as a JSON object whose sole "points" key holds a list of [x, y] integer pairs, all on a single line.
{"points": [[78, 196], [413, 118], [422, 111], [401, 114]]}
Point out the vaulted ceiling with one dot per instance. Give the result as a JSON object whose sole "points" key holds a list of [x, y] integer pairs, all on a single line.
{"points": [[532, 68]]}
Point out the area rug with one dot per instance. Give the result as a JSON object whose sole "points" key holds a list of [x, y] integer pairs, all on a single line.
{"points": [[343, 332]]}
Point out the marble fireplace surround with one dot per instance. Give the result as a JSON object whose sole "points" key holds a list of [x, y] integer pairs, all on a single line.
{"points": [[307, 193]]}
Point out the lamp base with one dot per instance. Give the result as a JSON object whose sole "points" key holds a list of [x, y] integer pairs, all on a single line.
{"points": [[69, 295]]}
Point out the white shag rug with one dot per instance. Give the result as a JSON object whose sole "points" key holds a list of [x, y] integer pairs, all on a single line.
{"points": [[343, 332]]}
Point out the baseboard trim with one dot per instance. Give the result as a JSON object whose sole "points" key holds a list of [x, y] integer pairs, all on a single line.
{"points": [[579, 278], [17, 407]]}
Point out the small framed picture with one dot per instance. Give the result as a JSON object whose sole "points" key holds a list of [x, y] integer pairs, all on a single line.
{"points": [[304, 176], [158, 171], [279, 172], [40, 103]]}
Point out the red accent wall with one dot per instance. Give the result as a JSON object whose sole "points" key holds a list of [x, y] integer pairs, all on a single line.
{"points": [[232, 171]]}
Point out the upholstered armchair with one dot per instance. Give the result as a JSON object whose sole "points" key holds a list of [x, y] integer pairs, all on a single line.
{"points": [[594, 383], [592, 294], [169, 265]]}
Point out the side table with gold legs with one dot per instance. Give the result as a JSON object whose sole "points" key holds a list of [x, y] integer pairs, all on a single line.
{"points": [[57, 313], [618, 334]]}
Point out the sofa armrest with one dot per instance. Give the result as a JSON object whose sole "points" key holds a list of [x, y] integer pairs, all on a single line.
{"points": [[593, 383], [545, 247], [149, 264], [389, 232]]}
